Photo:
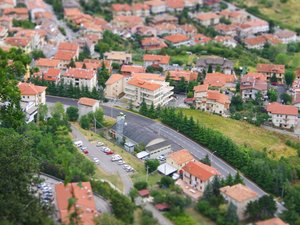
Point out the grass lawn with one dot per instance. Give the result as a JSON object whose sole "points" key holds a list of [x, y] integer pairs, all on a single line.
{"points": [[112, 178], [198, 217], [244, 133], [286, 14]]}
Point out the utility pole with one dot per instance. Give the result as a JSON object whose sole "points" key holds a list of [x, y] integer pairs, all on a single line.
{"points": [[147, 174]]}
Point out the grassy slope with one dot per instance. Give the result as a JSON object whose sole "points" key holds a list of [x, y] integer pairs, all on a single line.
{"points": [[283, 13], [244, 133]]}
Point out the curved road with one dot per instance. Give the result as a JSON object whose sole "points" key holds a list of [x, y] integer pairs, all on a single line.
{"points": [[149, 125]]}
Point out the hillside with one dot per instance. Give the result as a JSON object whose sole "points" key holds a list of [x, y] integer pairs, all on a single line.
{"points": [[244, 133], [283, 12]]}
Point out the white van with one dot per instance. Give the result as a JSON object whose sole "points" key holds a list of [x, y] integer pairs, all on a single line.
{"points": [[78, 143]]}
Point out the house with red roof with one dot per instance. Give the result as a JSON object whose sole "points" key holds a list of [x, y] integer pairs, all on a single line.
{"points": [[85, 202], [188, 76], [178, 40], [32, 93], [153, 43], [272, 221], [286, 36], [208, 19], [128, 70], [272, 70], [140, 9], [220, 80], [44, 64], [283, 116], [227, 41], [179, 159], [121, 10], [175, 5], [156, 60], [19, 42], [114, 86], [240, 196], [16, 13], [52, 75], [211, 100], [87, 105], [80, 78], [251, 84], [69, 47], [198, 175], [157, 6]]}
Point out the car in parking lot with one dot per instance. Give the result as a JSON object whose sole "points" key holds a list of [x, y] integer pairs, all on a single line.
{"points": [[116, 158], [96, 160], [99, 144], [110, 152], [83, 148], [86, 151]]}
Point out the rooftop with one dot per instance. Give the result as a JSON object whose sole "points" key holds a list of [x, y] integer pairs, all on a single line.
{"points": [[144, 84], [114, 78], [30, 89], [180, 157], [88, 101], [277, 108], [200, 170]]}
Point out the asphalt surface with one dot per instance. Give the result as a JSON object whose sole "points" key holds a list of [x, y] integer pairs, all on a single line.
{"points": [[150, 127], [105, 160]]}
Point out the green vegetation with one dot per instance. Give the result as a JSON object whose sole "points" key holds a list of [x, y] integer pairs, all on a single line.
{"points": [[72, 113], [26, 24], [36, 54], [57, 7]]}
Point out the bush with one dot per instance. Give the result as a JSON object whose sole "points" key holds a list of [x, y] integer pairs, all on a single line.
{"points": [[85, 122], [166, 182], [141, 185], [72, 113]]}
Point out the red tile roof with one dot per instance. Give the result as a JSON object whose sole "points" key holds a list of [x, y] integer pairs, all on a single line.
{"points": [[20, 11], [67, 46], [148, 76], [144, 193], [153, 43], [88, 102], [30, 89], [207, 16], [177, 38], [181, 157], [187, 75], [114, 78], [133, 69], [270, 68], [200, 170], [18, 41], [218, 97], [52, 74], [201, 88], [85, 201], [80, 73], [162, 206], [45, 62], [239, 192], [143, 84], [277, 108], [64, 55], [218, 79], [160, 59], [175, 4], [273, 221], [120, 7]]}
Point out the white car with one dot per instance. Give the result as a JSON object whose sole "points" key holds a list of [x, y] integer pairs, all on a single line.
{"points": [[99, 144], [121, 162], [96, 160], [116, 158]]}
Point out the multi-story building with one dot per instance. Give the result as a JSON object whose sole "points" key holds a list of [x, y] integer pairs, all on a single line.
{"points": [[178, 40], [157, 6], [251, 84], [283, 116], [179, 159], [118, 57], [208, 19], [44, 64], [239, 195], [80, 78], [114, 86], [272, 70], [220, 80], [215, 63], [198, 175], [32, 93], [210, 100], [156, 61], [156, 92]]}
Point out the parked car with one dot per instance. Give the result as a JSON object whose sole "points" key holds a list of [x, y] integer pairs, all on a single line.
{"points": [[83, 148], [78, 144], [110, 152], [96, 160], [99, 144], [86, 151], [121, 162], [116, 158]]}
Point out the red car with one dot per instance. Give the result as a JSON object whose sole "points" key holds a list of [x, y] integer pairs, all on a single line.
{"points": [[109, 152], [85, 151]]}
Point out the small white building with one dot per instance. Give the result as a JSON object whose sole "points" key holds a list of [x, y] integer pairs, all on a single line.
{"points": [[158, 147], [87, 105]]}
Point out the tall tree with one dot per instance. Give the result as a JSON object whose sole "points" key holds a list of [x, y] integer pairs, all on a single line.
{"points": [[72, 113], [143, 108], [289, 77], [231, 215]]}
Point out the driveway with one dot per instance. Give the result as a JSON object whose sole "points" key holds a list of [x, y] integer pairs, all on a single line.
{"points": [[105, 160], [157, 215]]}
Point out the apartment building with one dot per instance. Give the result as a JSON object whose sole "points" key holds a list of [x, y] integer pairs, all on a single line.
{"points": [[114, 86], [270, 70], [156, 61], [156, 92], [179, 159], [283, 116], [32, 93], [251, 84], [80, 78]]}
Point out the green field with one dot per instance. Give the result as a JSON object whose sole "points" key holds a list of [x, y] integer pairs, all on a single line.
{"points": [[285, 14], [246, 134]]}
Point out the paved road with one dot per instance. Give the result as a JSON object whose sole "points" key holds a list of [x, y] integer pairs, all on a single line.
{"points": [[105, 160], [156, 214], [101, 204], [152, 127]]}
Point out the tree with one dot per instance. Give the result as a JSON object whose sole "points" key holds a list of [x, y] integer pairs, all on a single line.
{"points": [[238, 179], [272, 95], [36, 54], [72, 113], [147, 218], [151, 164], [206, 160], [85, 122], [43, 112], [140, 185], [286, 98], [151, 113], [18, 69], [107, 219], [237, 102], [99, 116], [19, 169], [122, 207], [259, 98], [143, 108], [72, 64], [231, 215], [289, 77], [209, 70], [273, 79], [166, 182]]}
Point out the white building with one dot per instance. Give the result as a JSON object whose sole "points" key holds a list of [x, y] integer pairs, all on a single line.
{"points": [[86, 105], [156, 92], [158, 147], [32, 93], [81, 78], [283, 116]]}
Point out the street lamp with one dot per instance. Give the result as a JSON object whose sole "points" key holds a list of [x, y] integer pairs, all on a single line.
{"points": [[211, 155]]}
